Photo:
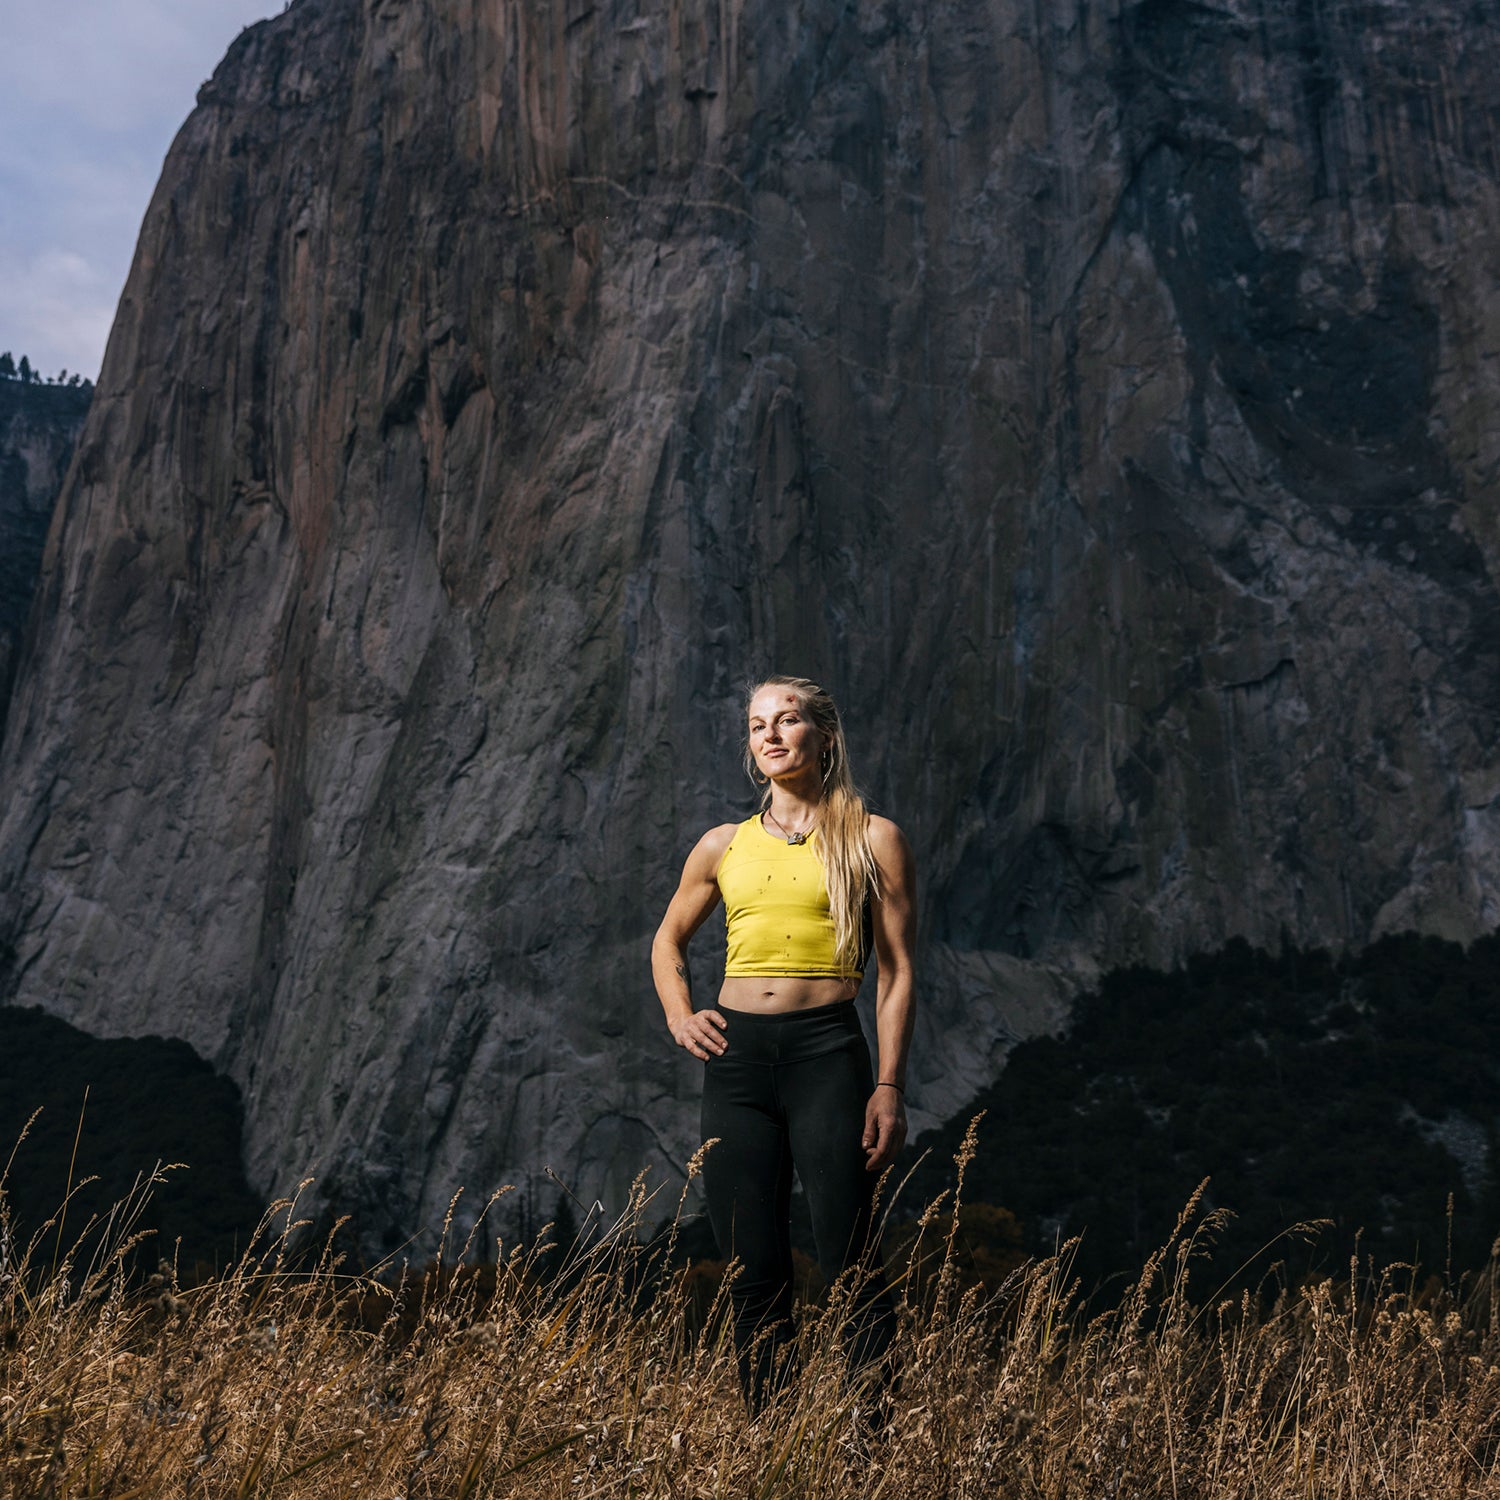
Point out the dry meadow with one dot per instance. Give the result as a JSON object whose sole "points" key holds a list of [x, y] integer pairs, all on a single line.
{"points": [[608, 1376]]}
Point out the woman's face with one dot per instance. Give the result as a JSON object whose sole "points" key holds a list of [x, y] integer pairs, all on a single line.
{"points": [[783, 740]]}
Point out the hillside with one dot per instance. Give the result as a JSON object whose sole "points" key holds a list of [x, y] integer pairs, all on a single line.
{"points": [[39, 425]]}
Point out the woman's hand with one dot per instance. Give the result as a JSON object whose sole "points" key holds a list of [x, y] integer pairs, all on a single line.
{"points": [[885, 1127], [701, 1033]]}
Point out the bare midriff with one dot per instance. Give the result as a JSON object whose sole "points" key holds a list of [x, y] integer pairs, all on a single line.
{"points": [[768, 993]]}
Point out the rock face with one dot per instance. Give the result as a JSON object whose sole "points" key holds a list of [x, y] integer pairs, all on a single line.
{"points": [[1101, 398], [38, 426]]}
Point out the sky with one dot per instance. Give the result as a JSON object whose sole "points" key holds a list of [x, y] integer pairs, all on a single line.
{"points": [[93, 92]]}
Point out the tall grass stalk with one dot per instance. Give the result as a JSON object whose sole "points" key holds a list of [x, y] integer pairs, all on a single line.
{"points": [[597, 1373]]}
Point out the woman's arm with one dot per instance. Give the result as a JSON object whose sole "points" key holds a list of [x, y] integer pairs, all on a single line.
{"points": [[697, 894], [893, 912]]}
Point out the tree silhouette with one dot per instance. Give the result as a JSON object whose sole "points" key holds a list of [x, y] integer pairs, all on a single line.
{"points": [[26, 374], [7, 366]]}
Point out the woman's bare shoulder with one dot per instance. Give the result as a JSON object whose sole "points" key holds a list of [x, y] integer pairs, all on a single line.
{"points": [[886, 837], [720, 837], [709, 850]]}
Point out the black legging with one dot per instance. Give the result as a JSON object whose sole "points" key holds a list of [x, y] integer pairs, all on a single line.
{"points": [[791, 1088]]}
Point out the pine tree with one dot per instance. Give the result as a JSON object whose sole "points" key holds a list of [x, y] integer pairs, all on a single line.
{"points": [[7, 366]]}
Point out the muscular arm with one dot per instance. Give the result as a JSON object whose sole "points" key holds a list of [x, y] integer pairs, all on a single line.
{"points": [[699, 1031], [894, 915]]}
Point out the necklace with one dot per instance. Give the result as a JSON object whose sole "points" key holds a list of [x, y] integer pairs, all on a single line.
{"points": [[799, 837]]}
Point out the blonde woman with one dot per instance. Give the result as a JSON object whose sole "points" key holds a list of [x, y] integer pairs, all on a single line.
{"points": [[808, 884]]}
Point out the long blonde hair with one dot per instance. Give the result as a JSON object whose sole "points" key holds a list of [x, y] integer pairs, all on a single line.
{"points": [[843, 842]]}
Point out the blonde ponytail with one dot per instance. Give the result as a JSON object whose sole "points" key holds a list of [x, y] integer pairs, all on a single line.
{"points": [[843, 840]]}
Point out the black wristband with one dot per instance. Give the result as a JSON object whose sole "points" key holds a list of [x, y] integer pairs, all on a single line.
{"points": [[884, 1085]]}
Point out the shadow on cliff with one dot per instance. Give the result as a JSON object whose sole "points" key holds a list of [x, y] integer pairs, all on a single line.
{"points": [[1358, 1090], [102, 1113]]}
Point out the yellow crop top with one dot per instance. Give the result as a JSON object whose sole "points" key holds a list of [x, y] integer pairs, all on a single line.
{"points": [[776, 907]]}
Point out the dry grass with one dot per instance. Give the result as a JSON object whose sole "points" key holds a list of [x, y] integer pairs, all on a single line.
{"points": [[269, 1381]]}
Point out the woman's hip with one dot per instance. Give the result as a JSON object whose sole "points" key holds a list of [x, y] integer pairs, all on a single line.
{"points": [[781, 1038]]}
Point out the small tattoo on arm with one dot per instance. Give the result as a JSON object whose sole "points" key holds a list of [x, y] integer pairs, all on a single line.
{"points": [[686, 976]]}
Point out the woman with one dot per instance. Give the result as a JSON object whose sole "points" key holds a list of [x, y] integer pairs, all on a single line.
{"points": [[806, 884]]}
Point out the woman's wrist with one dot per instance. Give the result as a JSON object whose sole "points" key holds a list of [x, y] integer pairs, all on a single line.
{"points": [[885, 1083]]}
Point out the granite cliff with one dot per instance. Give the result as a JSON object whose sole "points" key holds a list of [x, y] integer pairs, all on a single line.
{"points": [[1101, 397]]}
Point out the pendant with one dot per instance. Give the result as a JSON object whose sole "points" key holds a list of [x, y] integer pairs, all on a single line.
{"points": [[796, 838]]}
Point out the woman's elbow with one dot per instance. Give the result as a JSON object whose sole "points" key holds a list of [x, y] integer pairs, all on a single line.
{"points": [[668, 941], [897, 976]]}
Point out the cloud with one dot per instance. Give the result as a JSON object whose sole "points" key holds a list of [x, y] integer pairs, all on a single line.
{"points": [[119, 67], [56, 308], [95, 90]]}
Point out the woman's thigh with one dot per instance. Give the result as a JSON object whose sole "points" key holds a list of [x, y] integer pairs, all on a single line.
{"points": [[824, 1102], [747, 1174]]}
